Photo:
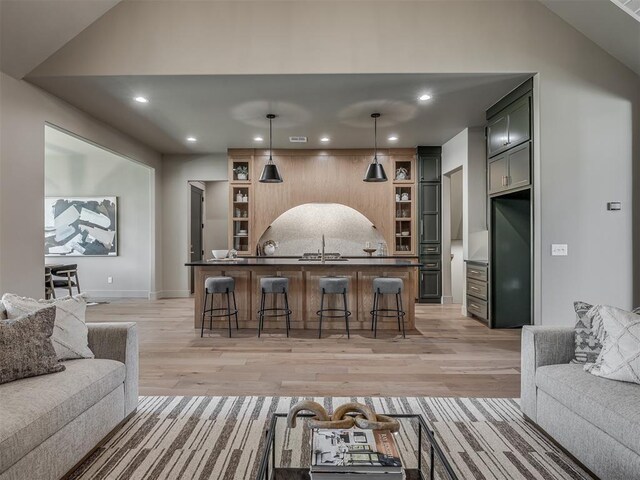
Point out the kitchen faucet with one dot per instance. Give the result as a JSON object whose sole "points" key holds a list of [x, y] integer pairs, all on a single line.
{"points": [[323, 243]]}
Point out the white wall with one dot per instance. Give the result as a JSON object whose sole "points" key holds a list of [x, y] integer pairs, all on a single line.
{"points": [[178, 170], [23, 115], [587, 103], [76, 168], [465, 153], [216, 212]]}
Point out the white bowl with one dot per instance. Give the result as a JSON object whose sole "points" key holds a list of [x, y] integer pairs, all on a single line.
{"points": [[220, 253]]}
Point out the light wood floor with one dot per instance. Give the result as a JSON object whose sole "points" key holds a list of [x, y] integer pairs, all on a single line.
{"points": [[448, 355]]}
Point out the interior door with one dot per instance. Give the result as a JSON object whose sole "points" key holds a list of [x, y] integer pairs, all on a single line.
{"points": [[197, 224]]}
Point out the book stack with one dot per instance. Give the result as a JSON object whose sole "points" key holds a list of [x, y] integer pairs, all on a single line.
{"points": [[354, 454]]}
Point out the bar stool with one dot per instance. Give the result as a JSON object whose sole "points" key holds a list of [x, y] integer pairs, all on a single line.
{"points": [[223, 286], [337, 286], [391, 286], [275, 286]]}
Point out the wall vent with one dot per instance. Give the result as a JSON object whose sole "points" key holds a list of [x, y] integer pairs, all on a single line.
{"points": [[298, 139]]}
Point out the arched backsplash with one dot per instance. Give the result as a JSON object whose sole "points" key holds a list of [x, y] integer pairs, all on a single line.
{"points": [[299, 230]]}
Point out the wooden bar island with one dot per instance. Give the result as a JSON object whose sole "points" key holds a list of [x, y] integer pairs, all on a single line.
{"points": [[304, 291]]}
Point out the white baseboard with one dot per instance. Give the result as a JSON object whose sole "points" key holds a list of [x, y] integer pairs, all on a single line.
{"points": [[447, 300], [169, 294], [117, 293]]}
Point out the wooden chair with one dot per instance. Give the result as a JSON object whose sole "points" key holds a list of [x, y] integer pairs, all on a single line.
{"points": [[49, 289], [66, 276]]}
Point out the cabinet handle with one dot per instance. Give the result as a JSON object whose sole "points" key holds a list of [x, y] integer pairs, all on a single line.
{"points": [[422, 278], [421, 228], [432, 264], [473, 288]]}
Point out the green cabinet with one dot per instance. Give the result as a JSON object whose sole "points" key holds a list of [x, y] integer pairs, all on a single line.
{"points": [[510, 169], [430, 285], [510, 127], [429, 224], [429, 159], [502, 291]]}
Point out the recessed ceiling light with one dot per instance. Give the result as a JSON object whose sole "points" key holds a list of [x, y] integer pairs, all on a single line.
{"points": [[192, 139], [141, 99], [424, 97], [324, 139], [393, 138], [258, 139]]}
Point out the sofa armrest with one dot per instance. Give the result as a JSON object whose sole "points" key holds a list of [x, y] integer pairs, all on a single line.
{"points": [[541, 346], [119, 341]]}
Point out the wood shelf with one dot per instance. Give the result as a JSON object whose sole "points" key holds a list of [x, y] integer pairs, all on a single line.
{"points": [[404, 244]]}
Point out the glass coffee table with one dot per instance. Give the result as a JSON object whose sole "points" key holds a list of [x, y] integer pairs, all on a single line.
{"points": [[287, 453]]}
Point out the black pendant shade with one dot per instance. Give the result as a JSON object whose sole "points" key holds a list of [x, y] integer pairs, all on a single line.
{"points": [[375, 171], [270, 172]]}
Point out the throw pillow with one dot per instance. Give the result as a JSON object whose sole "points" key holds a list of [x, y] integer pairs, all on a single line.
{"points": [[70, 335], [589, 334], [620, 355], [588, 346], [25, 346]]}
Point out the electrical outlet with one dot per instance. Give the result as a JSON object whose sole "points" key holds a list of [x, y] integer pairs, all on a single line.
{"points": [[109, 279], [559, 250]]}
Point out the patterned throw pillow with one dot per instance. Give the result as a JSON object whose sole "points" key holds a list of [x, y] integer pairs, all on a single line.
{"points": [[588, 346], [589, 334], [620, 356], [25, 346], [70, 335]]}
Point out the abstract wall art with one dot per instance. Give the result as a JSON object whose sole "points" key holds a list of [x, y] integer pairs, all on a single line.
{"points": [[80, 226]]}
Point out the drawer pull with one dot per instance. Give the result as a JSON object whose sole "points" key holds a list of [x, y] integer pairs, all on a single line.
{"points": [[432, 264], [473, 305], [473, 288]]}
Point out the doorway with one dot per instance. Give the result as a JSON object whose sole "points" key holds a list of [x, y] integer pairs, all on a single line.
{"points": [[453, 237], [196, 227]]}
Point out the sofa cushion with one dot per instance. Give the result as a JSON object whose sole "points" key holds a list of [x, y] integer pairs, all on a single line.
{"points": [[33, 409], [613, 407]]}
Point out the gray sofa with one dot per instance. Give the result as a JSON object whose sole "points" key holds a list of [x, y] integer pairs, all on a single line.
{"points": [[50, 423], [595, 419]]}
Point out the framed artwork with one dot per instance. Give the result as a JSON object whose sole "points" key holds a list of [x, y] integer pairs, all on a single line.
{"points": [[81, 226]]}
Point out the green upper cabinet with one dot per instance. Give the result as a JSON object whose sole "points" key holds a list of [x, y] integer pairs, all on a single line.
{"points": [[510, 170], [429, 166], [509, 128], [497, 134]]}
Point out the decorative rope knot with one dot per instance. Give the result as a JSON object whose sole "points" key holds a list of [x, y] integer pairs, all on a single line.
{"points": [[366, 418]]}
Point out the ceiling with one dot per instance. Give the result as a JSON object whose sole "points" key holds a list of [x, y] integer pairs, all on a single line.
{"points": [[612, 24], [33, 30], [229, 111]]}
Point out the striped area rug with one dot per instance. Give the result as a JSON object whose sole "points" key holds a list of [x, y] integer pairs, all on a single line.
{"points": [[222, 437]]}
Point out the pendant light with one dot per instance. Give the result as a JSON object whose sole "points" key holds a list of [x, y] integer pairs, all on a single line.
{"points": [[270, 172], [375, 172]]}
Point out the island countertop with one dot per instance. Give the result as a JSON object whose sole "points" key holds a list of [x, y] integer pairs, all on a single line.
{"points": [[295, 261], [305, 292]]}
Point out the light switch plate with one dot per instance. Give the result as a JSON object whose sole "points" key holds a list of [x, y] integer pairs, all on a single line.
{"points": [[559, 250]]}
